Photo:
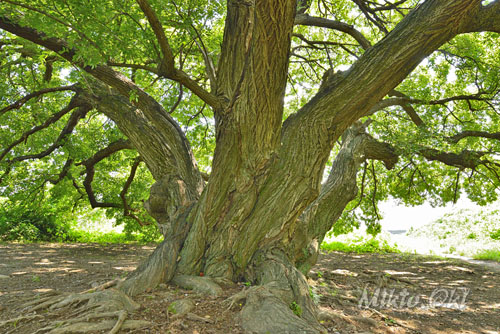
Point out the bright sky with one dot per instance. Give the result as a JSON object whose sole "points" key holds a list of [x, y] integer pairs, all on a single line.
{"points": [[402, 217]]}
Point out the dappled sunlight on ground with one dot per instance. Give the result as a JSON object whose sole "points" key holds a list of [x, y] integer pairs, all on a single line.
{"points": [[414, 294]]}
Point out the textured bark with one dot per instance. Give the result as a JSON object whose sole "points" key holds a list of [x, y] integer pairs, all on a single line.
{"points": [[339, 189], [164, 149], [263, 210], [252, 78]]}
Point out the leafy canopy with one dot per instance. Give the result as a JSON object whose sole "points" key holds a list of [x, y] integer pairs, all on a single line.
{"points": [[453, 92]]}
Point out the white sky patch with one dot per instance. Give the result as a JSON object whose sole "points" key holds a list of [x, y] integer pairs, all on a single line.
{"points": [[65, 73], [452, 75], [400, 217]]}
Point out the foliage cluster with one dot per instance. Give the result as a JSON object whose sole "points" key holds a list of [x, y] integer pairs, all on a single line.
{"points": [[361, 245], [455, 90], [34, 223], [29, 224]]}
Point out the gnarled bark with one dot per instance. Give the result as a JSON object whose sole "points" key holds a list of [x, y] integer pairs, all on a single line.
{"points": [[263, 211]]}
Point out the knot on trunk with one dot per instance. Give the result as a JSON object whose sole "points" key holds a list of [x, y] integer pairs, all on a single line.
{"points": [[169, 198]]}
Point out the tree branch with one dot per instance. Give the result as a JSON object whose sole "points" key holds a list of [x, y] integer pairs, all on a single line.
{"points": [[66, 131], [209, 64], [408, 108], [406, 103], [167, 64], [105, 73], [90, 163], [339, 189], [486, 18], [306, 20], [19, 103], [134, 66], [482, 134], [127, 211], [371, 15], [64, 172], [465, 159], [342, 101], [74, 103]]}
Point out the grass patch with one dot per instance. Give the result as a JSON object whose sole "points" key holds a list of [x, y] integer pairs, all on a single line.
{"points": [[361, 246], [489, 254], [108, 237]]}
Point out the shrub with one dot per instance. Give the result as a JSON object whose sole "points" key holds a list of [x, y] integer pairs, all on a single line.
{"points": [[490, 254], [363, 246], [27, 224]]}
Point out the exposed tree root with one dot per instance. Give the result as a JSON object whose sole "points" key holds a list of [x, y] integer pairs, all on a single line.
{"points": [[86, 327], [204, 285], [192, 316], [98, 309], [19, 319], [281, 303], [265, 313], [119, 323], [105, 286]]}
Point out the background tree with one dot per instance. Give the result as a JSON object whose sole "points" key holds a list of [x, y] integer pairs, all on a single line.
{"points": [[234, 110]]}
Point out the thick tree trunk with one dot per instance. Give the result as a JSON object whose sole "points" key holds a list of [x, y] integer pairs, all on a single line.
{"points": [[264, 211]]}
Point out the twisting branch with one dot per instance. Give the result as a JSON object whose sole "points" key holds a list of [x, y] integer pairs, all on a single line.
{"points": [[457, 183], [306, 20], [316, 44], [167, 63], [178, 101], [66, 131], [464, 159], [19, 103], [371, 15], [90, 163], [135, 67], [362, 191], [408, 108], [481, 134], [487, 18], [62, 22], [49, 68], [209, 64], [167, 66], [127, 211], [406, 102], [105, 73], [74, 103], [390, 6], [374, 200]]}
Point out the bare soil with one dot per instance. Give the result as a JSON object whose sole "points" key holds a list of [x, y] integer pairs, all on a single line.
{"points": [[357, 293]]}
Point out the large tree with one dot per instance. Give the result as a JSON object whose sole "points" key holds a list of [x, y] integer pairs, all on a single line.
{"points": [[408, 90]]}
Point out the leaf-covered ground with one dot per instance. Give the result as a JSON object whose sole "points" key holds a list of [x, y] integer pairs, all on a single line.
{"points": [[413, 294]]}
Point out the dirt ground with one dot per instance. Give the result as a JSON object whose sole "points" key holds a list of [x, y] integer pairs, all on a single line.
{"points": [[368, 293]]}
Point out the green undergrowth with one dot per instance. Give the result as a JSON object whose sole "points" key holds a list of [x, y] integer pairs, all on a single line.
{"points": [[360, 245], [489, 254], [25, 224], [467, 232], [111, 237]]}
